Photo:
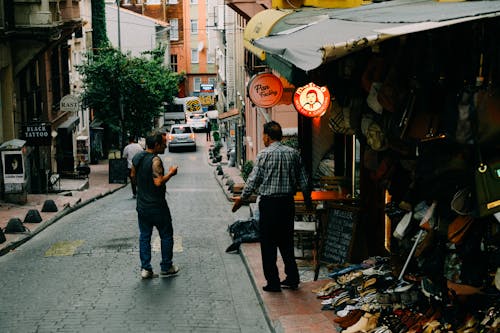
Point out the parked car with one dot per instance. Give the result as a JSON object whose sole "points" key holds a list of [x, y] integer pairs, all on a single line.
{"points": [[197, 120], [181, 136]]}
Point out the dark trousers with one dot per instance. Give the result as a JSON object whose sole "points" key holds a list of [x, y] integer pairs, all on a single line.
{"points": [[133, 184], [276, 232]]}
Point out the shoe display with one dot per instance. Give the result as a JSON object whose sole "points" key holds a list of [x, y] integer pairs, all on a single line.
{"points": [[272, 289], [285, 284], [173, 270], [145, 274]]}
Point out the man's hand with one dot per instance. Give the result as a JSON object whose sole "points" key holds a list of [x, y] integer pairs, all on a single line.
{"points": [[173, 170], [237, 204]]}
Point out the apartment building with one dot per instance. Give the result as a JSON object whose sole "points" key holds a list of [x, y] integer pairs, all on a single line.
{"points": [[34, 77]]}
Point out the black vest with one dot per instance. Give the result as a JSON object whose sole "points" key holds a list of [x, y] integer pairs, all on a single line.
{"points": [[148, 195]]}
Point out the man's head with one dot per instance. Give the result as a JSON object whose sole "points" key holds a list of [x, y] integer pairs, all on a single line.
{"points": [[311, 96], [156, 143], [131, 139], [272, 132]]}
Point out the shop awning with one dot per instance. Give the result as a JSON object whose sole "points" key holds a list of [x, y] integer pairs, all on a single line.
{"points": [[69, 124], [229, 114], [315, 38], [259, 26]]}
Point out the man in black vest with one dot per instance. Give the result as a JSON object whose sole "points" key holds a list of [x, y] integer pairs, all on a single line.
{"points": [[152, 208]]}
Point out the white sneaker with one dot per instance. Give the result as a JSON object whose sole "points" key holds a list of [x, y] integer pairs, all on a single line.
{"points": [[145, 274], [173, 270]]}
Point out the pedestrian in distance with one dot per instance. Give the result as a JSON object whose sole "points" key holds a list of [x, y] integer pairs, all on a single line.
{"points": [[209, 130], [277, 173], [152, 208], [129, 152]]}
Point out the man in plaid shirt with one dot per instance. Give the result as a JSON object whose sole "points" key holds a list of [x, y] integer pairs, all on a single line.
{"points": [[277, 173]]}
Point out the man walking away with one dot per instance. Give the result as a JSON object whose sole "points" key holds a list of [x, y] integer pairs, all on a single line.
{"points": [[277, 172], [152, 208], [209, 130], [129, 152]]}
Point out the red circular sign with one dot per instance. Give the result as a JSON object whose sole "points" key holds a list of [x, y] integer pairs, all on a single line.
{"points": [[311, 100], [265, 90]]}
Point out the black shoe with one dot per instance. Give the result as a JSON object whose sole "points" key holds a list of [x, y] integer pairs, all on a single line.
{"points": [[273, 289], [288, 285]]}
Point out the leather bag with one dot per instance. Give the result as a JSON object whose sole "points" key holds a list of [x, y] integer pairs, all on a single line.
{"points": [[457, 230], [487, 182]]}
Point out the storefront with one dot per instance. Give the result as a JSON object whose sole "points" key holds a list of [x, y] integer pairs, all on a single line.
{"points": [[414, 117]]}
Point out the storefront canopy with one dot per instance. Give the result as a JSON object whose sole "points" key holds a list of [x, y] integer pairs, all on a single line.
{"points": [[229, 114], [259, 26], [315, 37]]}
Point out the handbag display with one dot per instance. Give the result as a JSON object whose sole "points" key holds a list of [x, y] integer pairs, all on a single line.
{"points": [[458, 228], [487, 182]]}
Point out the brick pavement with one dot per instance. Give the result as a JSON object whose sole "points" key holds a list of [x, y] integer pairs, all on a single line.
{"points": [[288, 312]]}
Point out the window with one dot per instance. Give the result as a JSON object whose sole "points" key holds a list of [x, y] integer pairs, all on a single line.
{"points": [[211, 57], [172, 2], [173, 63], [174, 29], [212, 81], [194, 27], [194, 56], [193, 2], [197, 83]]}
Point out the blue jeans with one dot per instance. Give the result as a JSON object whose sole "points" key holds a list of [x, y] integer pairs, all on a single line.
{"points": [[162, 220]]}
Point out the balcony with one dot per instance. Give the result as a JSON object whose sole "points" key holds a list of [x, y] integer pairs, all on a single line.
{"points": [[45, 13]]}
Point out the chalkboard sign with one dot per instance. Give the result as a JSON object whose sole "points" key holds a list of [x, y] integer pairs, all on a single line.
{"points": [[339, 233], [118, 171]]}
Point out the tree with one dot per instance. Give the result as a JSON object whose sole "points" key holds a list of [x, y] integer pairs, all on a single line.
{"points": [[139, 86]]}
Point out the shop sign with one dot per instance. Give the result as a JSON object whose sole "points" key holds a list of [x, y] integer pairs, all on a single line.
{"points": [[265, 90], [311, 100], [206, 87], [69, 103], [37, 134], [13, 167]]}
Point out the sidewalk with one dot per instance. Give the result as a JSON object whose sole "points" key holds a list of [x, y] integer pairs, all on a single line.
{"points": [[290, 311]]}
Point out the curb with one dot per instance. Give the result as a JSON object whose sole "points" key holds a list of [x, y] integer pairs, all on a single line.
{"points": [[67, 210], [257, 292]]}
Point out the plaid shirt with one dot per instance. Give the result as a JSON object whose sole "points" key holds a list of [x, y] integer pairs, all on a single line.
{"points": [[277, 171]]}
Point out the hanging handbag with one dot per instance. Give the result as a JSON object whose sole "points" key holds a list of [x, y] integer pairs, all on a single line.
{"points": [[487, 178]]}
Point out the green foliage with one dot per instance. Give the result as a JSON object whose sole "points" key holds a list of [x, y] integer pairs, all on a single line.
{"points": [[291, 141], [216, 136], [246, 169], [139, 84], [99, 35], [217, 147]]}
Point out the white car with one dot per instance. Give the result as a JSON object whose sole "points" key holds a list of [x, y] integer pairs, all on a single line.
{"points": [[197, 120], [181, 136]]}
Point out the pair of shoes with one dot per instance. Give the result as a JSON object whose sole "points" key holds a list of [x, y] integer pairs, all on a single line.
{"points": [[146, 274], [173, 270], [272, 289], [285, 284]]}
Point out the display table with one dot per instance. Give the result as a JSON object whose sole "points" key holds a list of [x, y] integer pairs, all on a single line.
{"points": [[321, 196]]}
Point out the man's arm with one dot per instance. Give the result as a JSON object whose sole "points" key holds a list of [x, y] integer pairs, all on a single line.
{"points": [[158, 177], [253, 179]]}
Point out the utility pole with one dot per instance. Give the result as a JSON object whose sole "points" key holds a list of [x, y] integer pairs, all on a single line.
{"points": [[120, 104]]}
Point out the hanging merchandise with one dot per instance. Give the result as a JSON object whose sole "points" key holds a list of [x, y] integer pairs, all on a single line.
{"points": [[487, 177], [457, 230]]}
